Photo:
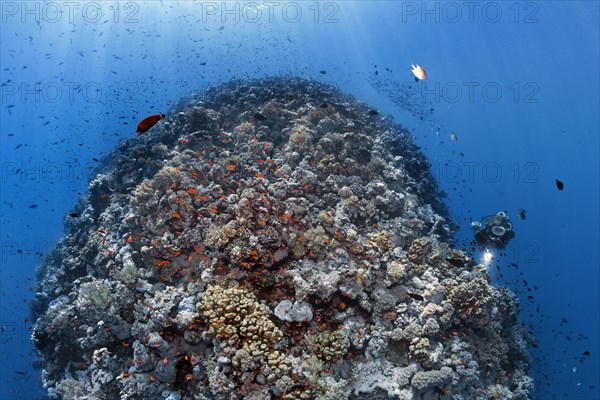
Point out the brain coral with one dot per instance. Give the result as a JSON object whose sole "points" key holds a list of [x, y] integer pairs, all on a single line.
{"points": [[253, 198]]}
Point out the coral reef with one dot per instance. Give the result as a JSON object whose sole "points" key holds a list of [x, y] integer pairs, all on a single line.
{"points": [[298, 311], [271, 239]]}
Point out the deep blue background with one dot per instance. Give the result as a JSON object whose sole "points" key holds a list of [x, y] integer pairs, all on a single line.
{"points": [[75, 83]]}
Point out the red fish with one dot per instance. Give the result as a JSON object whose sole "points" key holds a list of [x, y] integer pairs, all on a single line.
{"points": [[148, 123]]}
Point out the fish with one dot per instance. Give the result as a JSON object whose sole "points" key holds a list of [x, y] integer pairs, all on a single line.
{"points": [[521, 213], [415, 296], [74, 215], [33, 205], [148, 123], [453, 137], [373, 112], [418, 72], [259, 117], [322, 72], [324, 105], [560, 185]]}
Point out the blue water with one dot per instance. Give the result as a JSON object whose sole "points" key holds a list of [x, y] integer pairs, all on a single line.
{"points": [[516, 82]]}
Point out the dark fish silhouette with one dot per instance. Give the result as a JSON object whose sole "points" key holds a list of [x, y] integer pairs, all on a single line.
{"points": [[521, 213], [373, 112], [148, 123], [415, 296], [560, 185], [259, 117], [324, 105]]}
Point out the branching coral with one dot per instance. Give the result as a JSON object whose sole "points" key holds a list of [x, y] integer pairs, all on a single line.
{"points": [[417, 255], [472, 297], [238, 320], [419, 349], [234, 314], [327, 346], [96, 295]]}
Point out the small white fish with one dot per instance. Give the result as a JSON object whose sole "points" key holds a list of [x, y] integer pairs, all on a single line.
{"points": [[453, 137], [418, 72]]}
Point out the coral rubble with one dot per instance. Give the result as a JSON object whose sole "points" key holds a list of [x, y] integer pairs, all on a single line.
{"points": [[271, 239]]}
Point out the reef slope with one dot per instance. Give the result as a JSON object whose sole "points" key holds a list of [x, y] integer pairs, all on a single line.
{"points": [[271, 239]]}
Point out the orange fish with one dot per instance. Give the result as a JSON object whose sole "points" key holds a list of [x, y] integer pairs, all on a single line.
{"points": [[148, 123]]}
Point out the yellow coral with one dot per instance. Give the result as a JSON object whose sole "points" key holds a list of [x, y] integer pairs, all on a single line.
{"points": [[236, 314]]}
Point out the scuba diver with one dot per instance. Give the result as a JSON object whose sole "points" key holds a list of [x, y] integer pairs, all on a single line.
{"points": [[494, 230]]}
